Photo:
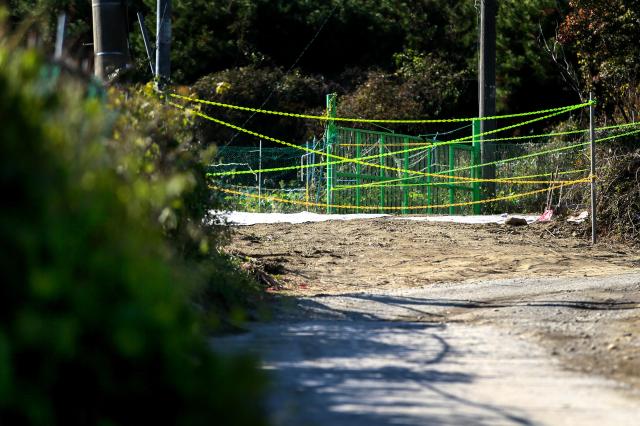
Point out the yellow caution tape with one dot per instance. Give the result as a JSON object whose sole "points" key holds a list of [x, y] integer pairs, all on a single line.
{"points": [[358, 161], [499, 162], [363, 120], [511, 181], [392, 208]]}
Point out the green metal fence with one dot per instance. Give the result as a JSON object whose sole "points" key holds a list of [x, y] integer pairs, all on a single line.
{"points": [[410, 186]]}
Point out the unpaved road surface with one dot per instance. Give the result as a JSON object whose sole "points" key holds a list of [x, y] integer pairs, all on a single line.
{"points": [[334, 257], [547, 331]]}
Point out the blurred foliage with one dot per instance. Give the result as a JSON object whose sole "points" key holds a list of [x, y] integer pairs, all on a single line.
{"points": [[42, 17], [99, 255], [154, 140], [156, 151]]}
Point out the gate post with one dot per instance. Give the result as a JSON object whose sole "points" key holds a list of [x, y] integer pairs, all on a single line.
{"points": [[452, 182], [475, 171], [429, 180], [383, 173], [330, 141], [405, 188], [358, 169]]}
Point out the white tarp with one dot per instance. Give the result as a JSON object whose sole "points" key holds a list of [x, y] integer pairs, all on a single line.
{"points": [[246, 218]]}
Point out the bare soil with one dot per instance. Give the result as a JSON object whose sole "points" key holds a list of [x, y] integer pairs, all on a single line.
{"points": [[337, 257], [590, 328]]}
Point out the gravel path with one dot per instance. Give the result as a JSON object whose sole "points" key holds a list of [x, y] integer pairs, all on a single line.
{"points": [[482, 353]]}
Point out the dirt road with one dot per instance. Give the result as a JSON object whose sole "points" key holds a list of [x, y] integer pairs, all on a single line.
{"points": [[382, 324], [334, 257]]}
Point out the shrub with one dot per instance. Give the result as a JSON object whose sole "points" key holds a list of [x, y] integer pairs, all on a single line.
{"points": [[424, 86], [251, 86], [95, 324]]}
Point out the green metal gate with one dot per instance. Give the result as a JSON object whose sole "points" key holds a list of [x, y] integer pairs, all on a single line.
{"points": [[411, 187]]}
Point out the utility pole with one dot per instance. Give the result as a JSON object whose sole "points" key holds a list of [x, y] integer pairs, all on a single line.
{"points": [[487, 90], [110, 46], [163, 41]]}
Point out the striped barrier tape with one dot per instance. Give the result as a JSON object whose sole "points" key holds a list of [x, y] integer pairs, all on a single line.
{"points": [[393, 208], [361, 160], [364, 120]]}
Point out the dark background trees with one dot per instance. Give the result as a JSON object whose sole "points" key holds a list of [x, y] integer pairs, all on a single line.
{"points": [[344, 40]]}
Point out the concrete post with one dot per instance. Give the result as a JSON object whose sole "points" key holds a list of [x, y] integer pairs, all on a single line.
{"points": [[110, 46], [487, 89]]}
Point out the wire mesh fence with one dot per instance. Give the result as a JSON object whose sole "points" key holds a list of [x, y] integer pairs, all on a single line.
{"points": [[263, 184], [371, 171], [400, 174]]}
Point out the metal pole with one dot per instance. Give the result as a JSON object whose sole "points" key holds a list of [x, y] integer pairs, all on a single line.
{"points": [[110, 46], [358, 170], [383, 173], [147, 42], [314, 182], [163, 40], [330, 140], [452, 190], [62, 22], [260, 178], [487, 88], [592, 138], [475, 172], [307, 172], [430, 153], [405, 175]]}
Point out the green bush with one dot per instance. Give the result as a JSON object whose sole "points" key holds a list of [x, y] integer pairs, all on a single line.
{"points": [[251, 86], [156, 152], [423, 86], [96, 325]]}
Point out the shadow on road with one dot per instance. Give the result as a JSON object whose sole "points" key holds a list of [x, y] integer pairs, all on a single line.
{"points": [[352, 368], [406, 302]]}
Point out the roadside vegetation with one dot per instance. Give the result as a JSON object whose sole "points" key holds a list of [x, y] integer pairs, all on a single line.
{"points": [[114, 267], [112, 280]]}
